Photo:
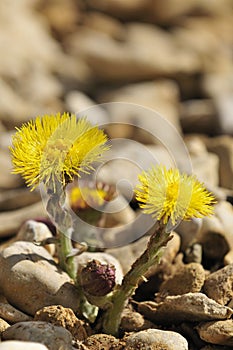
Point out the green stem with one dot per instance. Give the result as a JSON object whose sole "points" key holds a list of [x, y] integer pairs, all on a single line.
{"points": [[64, 250], [56, 208], [151, 256]]}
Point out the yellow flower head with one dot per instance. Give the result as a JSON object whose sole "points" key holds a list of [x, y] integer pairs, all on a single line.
{"points": [[56, 148], [90, 196], [167, 194]]}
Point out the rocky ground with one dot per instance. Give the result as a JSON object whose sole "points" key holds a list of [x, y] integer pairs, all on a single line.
{"points": [[171, 56]]}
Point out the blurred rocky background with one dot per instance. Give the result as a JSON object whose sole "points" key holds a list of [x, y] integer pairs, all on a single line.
{"points": [[68, 55], [173, 56]]}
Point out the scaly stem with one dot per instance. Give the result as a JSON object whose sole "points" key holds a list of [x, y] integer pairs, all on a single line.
{"points": [[123, 292], [56, 208]]}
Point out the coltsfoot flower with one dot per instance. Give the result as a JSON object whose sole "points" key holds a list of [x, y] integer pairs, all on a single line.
{"points": [[168, 194], [56, 148]]}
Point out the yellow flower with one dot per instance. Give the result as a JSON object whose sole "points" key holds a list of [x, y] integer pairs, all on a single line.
{"points": [[167, 194], [56, 148]]}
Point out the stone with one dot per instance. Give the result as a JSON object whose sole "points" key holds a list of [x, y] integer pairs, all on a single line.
{"points": [[189, 307], [129, 60], [217, 332], [156, 339], [187, 279], [198, 116], [106, 24], [224, 113], [213, 238], [219, 285], [224, 212], [7, 180], [53, 337], [223, 147], [64, 317], [161, 96], [30, 279], [206, 168], [132, 321], [104, 258], [21, 345], [3, 325], [80, 104], [12, 220], [10, 314], [102, 342], [188, 231], [33, 231], [17, 198], [119, 8]]}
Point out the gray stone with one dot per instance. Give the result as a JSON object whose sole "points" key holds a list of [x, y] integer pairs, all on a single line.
{"points": [[11, 314], [187, 307], [30, 279], [53, 337], [156, 339]]}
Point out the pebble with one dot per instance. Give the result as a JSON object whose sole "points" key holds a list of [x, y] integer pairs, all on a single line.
{"points": [[217, 332], [190, 307], [161, 96], [10, 314], [188, 231], [80, 104], [54, 337], [30, 279], [3, 325], [219, 285], [155, 339], [224, 212], [12, 220], [213, 238], [102, 342], [64, 317], [132, 321], [223, 147], [21, 345], [33, 231], [17, 198], [187, 279]]}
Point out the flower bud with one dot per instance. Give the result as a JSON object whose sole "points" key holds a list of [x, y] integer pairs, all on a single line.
{"points": [[97, 279]]}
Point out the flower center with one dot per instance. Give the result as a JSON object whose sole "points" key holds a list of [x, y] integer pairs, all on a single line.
{"points": [[172, 191], [56, 149]]}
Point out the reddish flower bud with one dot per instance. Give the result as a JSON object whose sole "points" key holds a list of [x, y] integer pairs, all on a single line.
{"points": [[97, 279]]}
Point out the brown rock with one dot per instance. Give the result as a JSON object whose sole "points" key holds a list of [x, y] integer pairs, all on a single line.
{"points": [[64, 317], [187, 307], [30, 279], [161, 96], [132, 321], [187, 279], [223, 147], [102, 342], [217, 332], [12, 220], [219, 285], [213, 238]]}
